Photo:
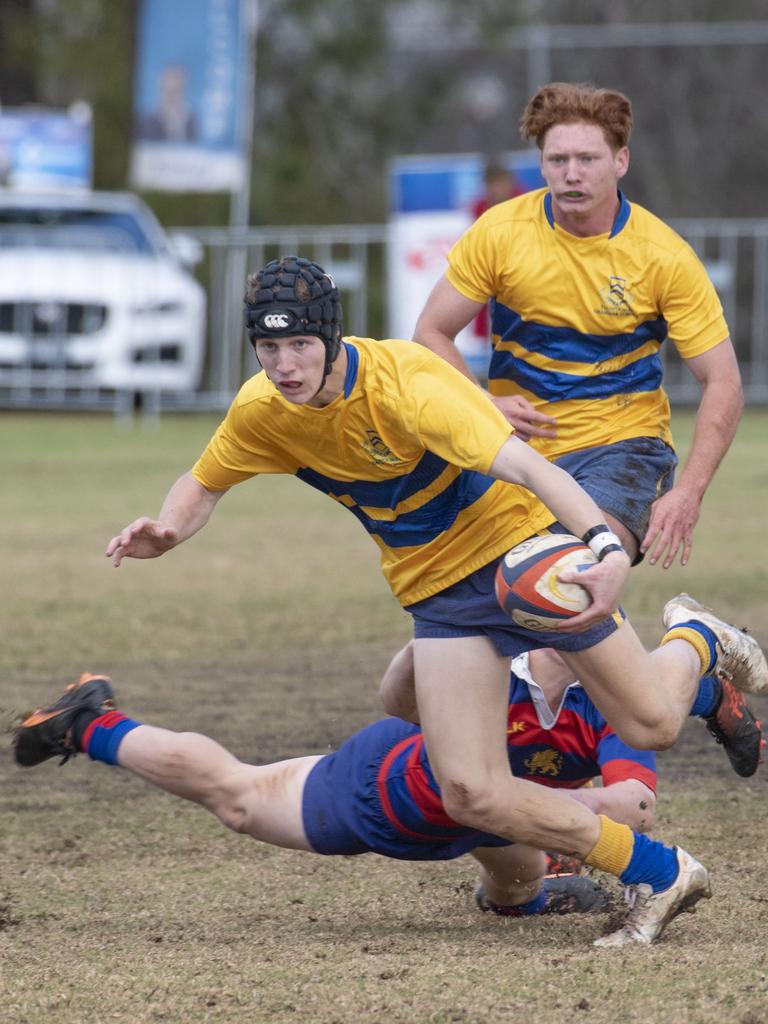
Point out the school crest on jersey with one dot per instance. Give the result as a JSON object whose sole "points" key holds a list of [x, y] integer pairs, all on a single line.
{"points": [[544, 762], [616, 298], [378, 450]]}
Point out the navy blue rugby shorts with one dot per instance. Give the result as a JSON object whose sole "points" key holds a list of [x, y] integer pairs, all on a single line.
{"points": [[624, 478], [470, 608], [343, 812]]}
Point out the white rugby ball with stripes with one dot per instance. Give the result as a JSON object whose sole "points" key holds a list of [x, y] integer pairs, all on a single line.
{"points": [[527, 584]]}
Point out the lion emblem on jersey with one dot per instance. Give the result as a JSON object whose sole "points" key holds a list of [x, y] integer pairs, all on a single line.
{"points": [[544, 762]]}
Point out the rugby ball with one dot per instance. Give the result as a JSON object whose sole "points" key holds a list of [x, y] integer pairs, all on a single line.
{"points": [[527, 584]]}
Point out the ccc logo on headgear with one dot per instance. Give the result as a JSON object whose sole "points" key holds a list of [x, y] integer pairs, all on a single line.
{"points": [[277, 321]]}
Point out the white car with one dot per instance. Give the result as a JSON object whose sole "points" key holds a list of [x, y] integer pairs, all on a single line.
{"points": [[93, 294]]}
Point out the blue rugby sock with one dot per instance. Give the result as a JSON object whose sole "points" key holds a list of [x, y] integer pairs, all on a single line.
{"points": [[708, 697], [534, 906], [651, 862], [700, 637], [104, 735]]}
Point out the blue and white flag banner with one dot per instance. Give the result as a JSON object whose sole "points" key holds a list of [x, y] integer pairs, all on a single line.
{"points": [[46, 148], [190, 71]]}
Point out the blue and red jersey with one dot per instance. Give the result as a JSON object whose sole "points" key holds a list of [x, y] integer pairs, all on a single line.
{"points": [[377, 792]]}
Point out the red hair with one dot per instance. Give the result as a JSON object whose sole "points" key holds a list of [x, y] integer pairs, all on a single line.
{"points": [[566, 103]]}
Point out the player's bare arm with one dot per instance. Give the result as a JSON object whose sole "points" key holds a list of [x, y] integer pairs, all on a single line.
{"points": [[517, 463], [397, 689], [186, 509], [629, 801], [446, 313], [674, 516]]}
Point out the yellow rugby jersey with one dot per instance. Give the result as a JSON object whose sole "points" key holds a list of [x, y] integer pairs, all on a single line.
{"points": [[406, 448], [577, 323]]}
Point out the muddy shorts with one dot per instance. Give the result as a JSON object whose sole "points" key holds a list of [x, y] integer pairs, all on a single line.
{"points": [[624, 478]]}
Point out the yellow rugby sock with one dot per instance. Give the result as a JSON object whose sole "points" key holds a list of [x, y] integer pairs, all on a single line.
{"points": [[696, 640], [613, 850]]}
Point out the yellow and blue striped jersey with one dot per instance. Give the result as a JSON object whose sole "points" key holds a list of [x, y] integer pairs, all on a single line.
{"points": [[577, 323], [406, 448]]}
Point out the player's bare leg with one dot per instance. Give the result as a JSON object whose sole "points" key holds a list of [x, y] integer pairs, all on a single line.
{"points": [[262, 801], [644, 697], [513, 884], [465, 731], [462, 688], [397, 689], [510, 875]]}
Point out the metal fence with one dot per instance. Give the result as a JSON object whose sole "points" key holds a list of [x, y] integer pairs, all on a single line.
{"points": [[734, 251], [355, 256]]}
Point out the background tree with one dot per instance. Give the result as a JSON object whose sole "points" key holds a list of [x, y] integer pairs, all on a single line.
{"points": [[342, 86]]}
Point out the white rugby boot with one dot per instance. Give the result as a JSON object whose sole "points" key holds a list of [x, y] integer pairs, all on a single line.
{"points": [[738, 655], [650, 912]]}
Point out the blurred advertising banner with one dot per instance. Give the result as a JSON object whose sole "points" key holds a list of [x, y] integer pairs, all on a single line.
{"points": [[190, 70], [46, 148], [433, 200]]}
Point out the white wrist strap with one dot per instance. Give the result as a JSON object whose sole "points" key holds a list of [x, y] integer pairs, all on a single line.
{"points": [[602, 540]]}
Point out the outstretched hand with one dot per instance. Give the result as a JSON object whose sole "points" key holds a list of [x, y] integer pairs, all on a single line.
{"points": [[605, 582], [527, 420], [673, 518], [143, 538]]}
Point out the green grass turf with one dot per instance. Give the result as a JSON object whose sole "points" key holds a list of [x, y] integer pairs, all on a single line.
{"points": [[269, 632]]}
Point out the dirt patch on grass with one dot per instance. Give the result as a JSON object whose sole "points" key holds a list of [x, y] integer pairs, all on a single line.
{"points": [[106, 878]]}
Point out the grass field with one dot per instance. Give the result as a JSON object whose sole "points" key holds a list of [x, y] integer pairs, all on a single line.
{"points": [[269, 632]]}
